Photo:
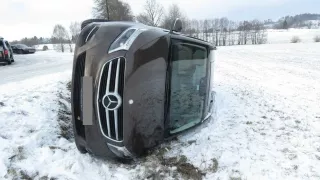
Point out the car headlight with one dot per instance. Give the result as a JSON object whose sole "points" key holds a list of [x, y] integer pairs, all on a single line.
{"points": [[125, 40]]}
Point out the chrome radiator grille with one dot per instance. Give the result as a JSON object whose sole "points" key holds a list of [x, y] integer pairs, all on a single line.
{"points": [[110, 93]]}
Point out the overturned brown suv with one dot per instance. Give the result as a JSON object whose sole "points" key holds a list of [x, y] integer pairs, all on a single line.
{"points": [[134, 86]]}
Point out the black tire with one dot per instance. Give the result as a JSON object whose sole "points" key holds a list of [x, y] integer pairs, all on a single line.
{"points": [[9, 62], [20, 51]]}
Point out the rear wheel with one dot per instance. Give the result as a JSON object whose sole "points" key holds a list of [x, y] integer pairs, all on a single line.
{"points": [[9, 61]]}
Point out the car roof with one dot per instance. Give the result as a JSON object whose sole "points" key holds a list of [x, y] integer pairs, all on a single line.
{"points": [[137, 24]]}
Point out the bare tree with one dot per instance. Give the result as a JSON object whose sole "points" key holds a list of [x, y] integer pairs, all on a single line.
{"points": [[240, 33], [245, 27], [224, 32], [114, 10], [195, 25], [201, 25], [174, 12], [309, 25], [216, 30], [152, 14], [188, 29], [231, 33], [61, 35], [206, 29], [75, 29], [224, 23]]}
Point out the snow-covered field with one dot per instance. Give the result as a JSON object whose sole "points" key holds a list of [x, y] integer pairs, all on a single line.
{"points": [[267, 123], [278, 36], [52, 47], [285, 36]]}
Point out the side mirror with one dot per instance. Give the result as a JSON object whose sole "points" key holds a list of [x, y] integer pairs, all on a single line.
{"points": [[176, 26]]}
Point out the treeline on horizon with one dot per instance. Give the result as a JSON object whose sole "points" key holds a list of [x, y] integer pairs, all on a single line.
{"points": [[219, 31]]}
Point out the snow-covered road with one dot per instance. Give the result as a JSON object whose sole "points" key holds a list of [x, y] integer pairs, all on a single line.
{"points": [[267, 123], [32, 65]]}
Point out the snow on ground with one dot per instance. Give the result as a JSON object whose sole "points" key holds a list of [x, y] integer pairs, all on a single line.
{"points": [[268, 116], [52, 46], [278, 36], [266, 125], [31, 65], [284, 36]]}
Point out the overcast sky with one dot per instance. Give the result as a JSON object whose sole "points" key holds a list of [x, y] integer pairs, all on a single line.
{"points": [[28, 18]]}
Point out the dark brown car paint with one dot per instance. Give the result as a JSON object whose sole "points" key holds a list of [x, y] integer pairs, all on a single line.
{"points": [[145, 84]]}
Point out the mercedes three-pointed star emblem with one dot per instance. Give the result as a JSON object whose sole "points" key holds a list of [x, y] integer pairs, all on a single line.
{"points": [[111, 101]]}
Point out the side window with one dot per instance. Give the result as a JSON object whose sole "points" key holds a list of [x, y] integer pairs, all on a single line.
{"points": [[189, 68]]}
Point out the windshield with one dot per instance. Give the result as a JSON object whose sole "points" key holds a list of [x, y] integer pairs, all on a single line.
{"points": [[22, 46], [188, 86]]}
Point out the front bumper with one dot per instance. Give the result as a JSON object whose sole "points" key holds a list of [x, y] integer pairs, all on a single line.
{"points": [[89, 64]]}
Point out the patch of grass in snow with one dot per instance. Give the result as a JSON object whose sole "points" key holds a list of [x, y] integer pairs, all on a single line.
{"points": [[56, 147], [64, 114], [316, 39], [21, 153], [21, 112], [157, 166], [187, 170], [16, 173], [44, 178], [235, 175], [24, 175], [1, 104], [192, 142], [11, 172], [295, 39], [213, 168], [69, 86]]}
